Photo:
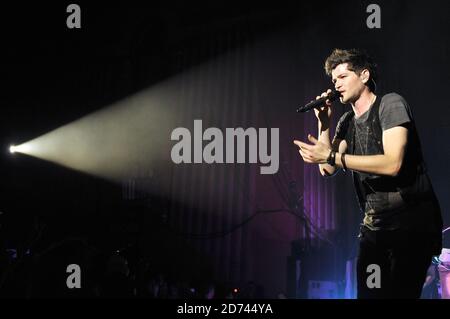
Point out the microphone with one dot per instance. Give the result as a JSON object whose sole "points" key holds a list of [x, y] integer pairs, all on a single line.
{"points": [[333, 95]]}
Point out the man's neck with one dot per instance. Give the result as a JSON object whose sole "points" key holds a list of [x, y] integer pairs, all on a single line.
{"points": [[363, 103]]}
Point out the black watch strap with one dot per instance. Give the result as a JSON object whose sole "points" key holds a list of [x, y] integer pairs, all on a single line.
{"points": [[331, 160]]}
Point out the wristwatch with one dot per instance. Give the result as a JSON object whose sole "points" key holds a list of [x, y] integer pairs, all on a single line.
{"points": [[331, 160]]}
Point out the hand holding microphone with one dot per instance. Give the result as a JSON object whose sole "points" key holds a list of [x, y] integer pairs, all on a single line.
{"points": [[319, 151], [321, 105], [326, 98]]}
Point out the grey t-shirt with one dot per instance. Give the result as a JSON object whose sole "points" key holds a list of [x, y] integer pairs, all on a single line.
{"points": [[394, 111], [382, 209]]}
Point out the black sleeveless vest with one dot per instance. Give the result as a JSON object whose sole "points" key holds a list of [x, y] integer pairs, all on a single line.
{"points": [[416, 199]]}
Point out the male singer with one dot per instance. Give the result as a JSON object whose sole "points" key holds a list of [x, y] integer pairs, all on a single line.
{"points": [[377, 141]]}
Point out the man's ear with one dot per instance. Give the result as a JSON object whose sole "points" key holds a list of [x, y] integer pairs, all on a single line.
{"points": [[365, 76]]}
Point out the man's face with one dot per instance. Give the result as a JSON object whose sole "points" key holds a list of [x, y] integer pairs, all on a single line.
{"points": [[348, 83]]}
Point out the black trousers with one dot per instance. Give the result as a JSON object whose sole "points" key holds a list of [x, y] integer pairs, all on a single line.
{"points": [[392, 264]]}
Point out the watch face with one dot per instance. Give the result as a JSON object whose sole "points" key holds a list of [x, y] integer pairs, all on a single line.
{"points": [[331, 160]]}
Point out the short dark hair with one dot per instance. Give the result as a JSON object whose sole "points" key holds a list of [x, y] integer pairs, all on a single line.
{"points": [[357, 60]]}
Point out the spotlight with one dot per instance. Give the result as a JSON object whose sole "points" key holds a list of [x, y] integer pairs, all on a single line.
{"points": [[12, 149]]}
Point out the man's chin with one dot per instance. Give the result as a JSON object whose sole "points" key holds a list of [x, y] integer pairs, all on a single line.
{"points": [[346, 99]]}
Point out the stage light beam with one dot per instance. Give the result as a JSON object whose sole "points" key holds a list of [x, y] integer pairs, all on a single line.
{"points": [[25, 148]]}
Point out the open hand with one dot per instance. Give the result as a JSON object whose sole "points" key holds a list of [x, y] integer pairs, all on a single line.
{"points": [[315, 153]]}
